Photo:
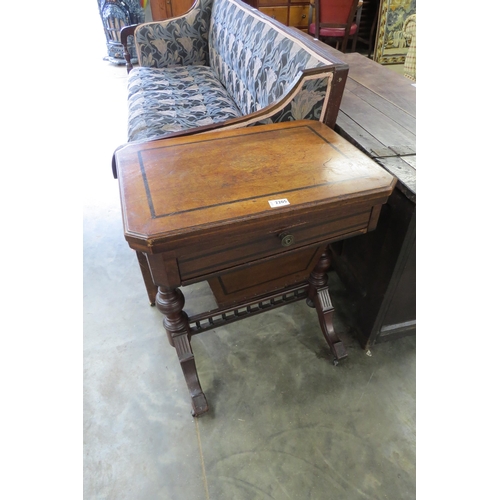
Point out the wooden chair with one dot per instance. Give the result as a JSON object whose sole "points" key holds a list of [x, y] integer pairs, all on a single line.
{"points": [[335, 19]]}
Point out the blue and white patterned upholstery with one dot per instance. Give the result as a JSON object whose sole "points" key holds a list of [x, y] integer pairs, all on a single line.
{"points": [[219, 61], [253, 60], [165, 100], [180, 40]]}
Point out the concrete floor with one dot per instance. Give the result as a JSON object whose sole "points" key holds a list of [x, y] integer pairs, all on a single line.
{"points": [[284, 422]]}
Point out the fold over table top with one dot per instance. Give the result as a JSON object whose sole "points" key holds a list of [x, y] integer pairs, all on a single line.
{"points": [[180, 185]]}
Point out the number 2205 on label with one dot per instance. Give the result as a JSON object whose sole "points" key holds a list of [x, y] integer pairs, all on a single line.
{"points": [[278, 203]]}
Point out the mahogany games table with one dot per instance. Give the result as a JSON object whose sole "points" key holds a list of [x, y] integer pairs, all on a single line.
{"points": [[252, 211]]}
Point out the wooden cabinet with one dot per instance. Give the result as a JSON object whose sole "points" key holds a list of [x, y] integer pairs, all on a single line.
{"points": [[165, 9], [289, 12], [279, 13], [298, 15]]}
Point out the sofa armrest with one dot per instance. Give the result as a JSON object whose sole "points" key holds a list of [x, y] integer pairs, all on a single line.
{"points": [[125, 32], [180, 40]]}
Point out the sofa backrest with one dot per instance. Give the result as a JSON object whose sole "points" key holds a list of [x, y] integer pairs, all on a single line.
{"points": [[256, 60], [182, 40]]}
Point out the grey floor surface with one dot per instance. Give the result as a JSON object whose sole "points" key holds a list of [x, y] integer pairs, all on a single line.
{"points": [[284, 423]]}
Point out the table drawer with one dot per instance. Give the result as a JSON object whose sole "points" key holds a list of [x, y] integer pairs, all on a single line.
{"points": [[247, 246]]}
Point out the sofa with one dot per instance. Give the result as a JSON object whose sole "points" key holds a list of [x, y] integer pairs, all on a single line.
{"points": [[224, 64]]}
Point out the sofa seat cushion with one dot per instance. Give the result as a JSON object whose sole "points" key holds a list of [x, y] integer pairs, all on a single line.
{"points": [[167, 100]]}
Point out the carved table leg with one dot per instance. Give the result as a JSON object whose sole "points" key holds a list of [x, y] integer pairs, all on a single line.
{"points": [[319, 297], [151, 288], [170, 302]]}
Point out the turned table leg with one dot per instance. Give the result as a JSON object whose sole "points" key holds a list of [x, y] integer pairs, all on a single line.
{"points": [[319, 297], [170, 302]]}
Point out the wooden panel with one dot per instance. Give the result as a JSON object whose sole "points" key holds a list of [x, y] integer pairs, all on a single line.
{"points": [[165, 9], [404, 119], [403, 167], [378, 270], [377, 114], [385, 123], [180, 7], [350, 129], [280, 272], [402, 308], [389, 85], [264, 3], [367, 25], [278, 13], [160, 9], [296, 15], [299, 16]]}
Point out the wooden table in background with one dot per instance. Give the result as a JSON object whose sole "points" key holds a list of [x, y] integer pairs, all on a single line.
{"points": [[252, 211], [378, 115]]}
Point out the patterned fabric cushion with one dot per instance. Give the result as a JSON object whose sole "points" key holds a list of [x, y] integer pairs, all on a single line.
{"points": [[256, 61], [182, 40], [308, 104], [163, 100]]}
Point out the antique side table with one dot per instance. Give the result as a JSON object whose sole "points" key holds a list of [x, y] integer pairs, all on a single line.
{"points": [[252, 211]]}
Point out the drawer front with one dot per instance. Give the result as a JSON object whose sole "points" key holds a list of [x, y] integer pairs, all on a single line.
{"points": [[272, 274], [278, 13], [248, 247], [299, 16]]}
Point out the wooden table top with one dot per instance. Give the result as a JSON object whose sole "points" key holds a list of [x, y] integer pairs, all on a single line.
{"points": [[188, 184], [378, 115]]}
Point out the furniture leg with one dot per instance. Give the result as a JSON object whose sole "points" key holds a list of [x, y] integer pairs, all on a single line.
{"points": [[151, 288], [170, 302], [319, 297]]}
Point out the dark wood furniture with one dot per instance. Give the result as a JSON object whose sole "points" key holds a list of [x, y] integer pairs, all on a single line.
{"points": [[288, 12], [250, 210], [165, 9], [367, 26], [378, 115]]}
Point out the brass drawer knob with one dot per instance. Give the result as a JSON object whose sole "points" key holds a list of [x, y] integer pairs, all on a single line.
{"points": [[286, 239]]}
